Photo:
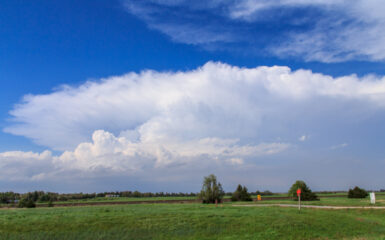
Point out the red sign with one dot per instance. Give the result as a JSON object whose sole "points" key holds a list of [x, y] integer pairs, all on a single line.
{"points": [[298, 191]]}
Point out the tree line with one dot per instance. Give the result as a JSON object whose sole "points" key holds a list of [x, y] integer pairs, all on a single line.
{"points": [[41, 196], [212, 192]]}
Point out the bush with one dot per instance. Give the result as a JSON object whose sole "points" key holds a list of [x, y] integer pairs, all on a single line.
{"points": [[306, 193], [357, 193], [241, 194], [211, 190], [26, 203], [264, 193]]}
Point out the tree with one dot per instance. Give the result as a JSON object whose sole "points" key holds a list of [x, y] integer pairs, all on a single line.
{"points": [[27, 203], [50, 203], [211, 190], [241, 194], [264, 193], [357, 193], [306, 193]]}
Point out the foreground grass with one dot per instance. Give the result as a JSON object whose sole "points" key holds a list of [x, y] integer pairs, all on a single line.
{"points": [[189, 221]]}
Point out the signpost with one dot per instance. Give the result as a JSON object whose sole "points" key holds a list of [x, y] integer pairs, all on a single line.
{"points": [[299, 198], [372, 198]]}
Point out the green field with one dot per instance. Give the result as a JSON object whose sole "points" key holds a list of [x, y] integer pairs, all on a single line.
{"points": [[380, 196], [333, 201], [191, 221], [123, 199]]}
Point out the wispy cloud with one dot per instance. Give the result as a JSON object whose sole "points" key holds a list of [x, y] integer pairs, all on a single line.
{"points": [[323, 30], [343, 145], [188, 27], [303, 138]]}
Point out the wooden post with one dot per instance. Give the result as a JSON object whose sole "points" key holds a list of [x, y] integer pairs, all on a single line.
{"points": [[216, 202], [299, 198], [299, 202]]}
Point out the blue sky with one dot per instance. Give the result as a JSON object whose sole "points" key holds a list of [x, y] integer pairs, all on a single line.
{"points": [[149, 94]]}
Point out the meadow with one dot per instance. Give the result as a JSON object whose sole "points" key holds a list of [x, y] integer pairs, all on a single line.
{"points": [[325, 198], [193, 221], [123, 199], [333, 201]]}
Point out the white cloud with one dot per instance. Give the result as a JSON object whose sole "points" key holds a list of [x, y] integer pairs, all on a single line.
{"points": [[348, 30], [343, 145], [303, 138], [216, 117], [19, 166], [158, 17], [214, 101], [321, 30], [108, 154], [247, 9], [120, 154], [236, 161]]}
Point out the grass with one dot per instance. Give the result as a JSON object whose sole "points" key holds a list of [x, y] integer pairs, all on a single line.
{"points": [[189, 221], [128, 199], [334, 201], [122, 199], [324, 201]]}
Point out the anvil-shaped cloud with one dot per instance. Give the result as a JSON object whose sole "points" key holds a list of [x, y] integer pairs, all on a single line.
{"points": [[218, 114]]}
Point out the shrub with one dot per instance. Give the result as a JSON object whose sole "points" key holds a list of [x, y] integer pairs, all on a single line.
{"points": [[211, 190], [357, 193], [26, 203], [306, 193], [264, 193], [241, 194]]}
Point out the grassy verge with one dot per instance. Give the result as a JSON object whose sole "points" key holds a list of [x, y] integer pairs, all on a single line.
{"points": [[190, 221], [335, 201]]}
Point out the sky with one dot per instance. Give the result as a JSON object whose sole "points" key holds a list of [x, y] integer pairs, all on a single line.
{"points": [[153, 95]]}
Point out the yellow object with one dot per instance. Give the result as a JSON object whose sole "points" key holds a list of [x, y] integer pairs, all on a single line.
{"points": [[259, 197]]}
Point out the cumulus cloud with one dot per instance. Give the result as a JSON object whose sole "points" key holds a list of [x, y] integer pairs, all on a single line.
{"points": [[110, 155], [215, 117], [120, 154], [214, 101], [322, 30], [19, 166]]}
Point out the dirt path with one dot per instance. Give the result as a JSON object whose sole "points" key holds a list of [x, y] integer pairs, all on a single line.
{"points": [[310, 206]]}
